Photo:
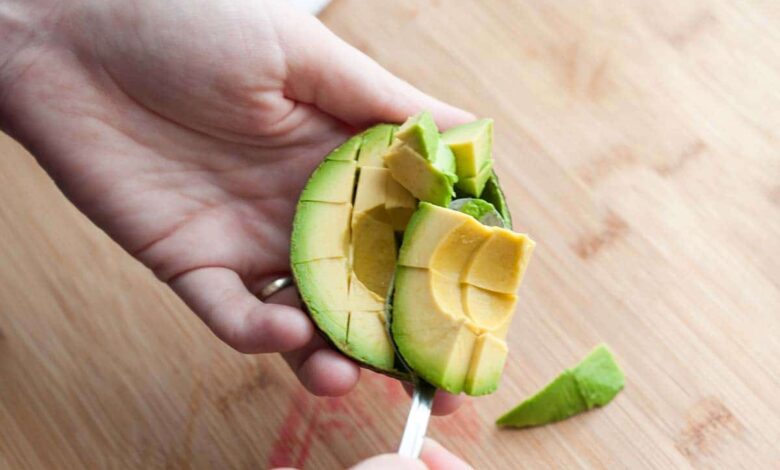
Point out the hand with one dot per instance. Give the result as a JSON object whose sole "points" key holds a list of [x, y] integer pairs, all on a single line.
{"points": [[186, 129], [433, 457]]}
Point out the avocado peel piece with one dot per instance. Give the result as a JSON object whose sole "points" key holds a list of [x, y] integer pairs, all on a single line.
{"points": [[592, 383]]}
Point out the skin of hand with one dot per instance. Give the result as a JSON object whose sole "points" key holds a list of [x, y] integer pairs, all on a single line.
{"points": [[185, 129], [433, 457]]}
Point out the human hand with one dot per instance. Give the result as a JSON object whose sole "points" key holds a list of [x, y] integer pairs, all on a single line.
{"points": [[433, 457], [186, 130]]}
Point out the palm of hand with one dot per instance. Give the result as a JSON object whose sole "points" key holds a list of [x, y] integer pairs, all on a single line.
{"points": [[187, 132]]}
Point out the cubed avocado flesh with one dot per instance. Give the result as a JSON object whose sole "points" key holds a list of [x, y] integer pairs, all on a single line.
{"points": [[453, 298], [595, 381], [374, 143], [472, 145], [420, 162], [373, 217], [474, 185], [343, 247]]}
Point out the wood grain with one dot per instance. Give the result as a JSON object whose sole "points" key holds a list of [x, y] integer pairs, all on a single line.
{"points": [[639, 146]]}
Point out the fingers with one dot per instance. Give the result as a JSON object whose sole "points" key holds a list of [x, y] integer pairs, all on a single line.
{"points": [[327, 72], [220, 298], [437, 457], [433, 457], [444, 403], [323, 371], [390, 462]]}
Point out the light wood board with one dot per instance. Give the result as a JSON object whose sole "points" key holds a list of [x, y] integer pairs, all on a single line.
{"points": [[638, 143]]}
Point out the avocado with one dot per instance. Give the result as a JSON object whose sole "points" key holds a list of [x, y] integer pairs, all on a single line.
{"points": [[452, 301], [343, 256], [420, 162], [394, 278], [493, 194], [595, 381], [481, 210], [472, 145], [474, 185], [373, 145]]}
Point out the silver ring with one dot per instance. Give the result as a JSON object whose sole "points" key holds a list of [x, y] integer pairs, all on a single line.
{"points": [[274, 287]]}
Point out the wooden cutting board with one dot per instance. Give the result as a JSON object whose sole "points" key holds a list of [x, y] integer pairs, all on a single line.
{"points": [[638, 143]]}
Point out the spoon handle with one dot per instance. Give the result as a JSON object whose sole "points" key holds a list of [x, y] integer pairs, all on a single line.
{"points": [[417, 422]]}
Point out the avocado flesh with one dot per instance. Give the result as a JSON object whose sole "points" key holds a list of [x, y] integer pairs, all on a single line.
{"points": [[420, 162], [373, 144], [472, 146], [343, 256], [474, 185], [448, 321], [595, 381]]}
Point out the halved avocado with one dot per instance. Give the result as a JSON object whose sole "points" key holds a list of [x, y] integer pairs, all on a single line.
{"points": [[343, 247], [364, 246], [455, 296]]}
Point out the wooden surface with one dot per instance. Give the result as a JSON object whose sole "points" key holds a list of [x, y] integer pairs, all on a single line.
{"points": [[638, 142]]}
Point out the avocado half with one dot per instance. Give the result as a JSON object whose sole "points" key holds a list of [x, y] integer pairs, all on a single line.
{"points": [[395, 278]]}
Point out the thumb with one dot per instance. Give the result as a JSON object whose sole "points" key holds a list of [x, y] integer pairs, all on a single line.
{"points": [[325, 71]]}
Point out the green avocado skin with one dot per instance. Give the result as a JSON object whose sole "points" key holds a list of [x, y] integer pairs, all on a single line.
{"points": [[477, 208], [595, 381]]}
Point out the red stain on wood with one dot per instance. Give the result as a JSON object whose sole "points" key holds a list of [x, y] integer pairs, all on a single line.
{"points": [[294, 441], [310, 420]]}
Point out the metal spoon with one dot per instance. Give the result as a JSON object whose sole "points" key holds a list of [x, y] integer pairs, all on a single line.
{"points": [[417, 421]]}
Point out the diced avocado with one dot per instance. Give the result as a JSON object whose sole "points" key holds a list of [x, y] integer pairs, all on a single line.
{"points": [[373, 253], [374, 144], [493, 194], [447, 327], [376, 210], [421, 135], [332, 181], [323, 287], [361, 298], [368, 339], [593, 382], [500, 262], [331, 224], [487, 364], [472, 145], [347, 151], [371, 190], [420, 162], [474, 185], [343, 259], [487, 308], [399, 204]]}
